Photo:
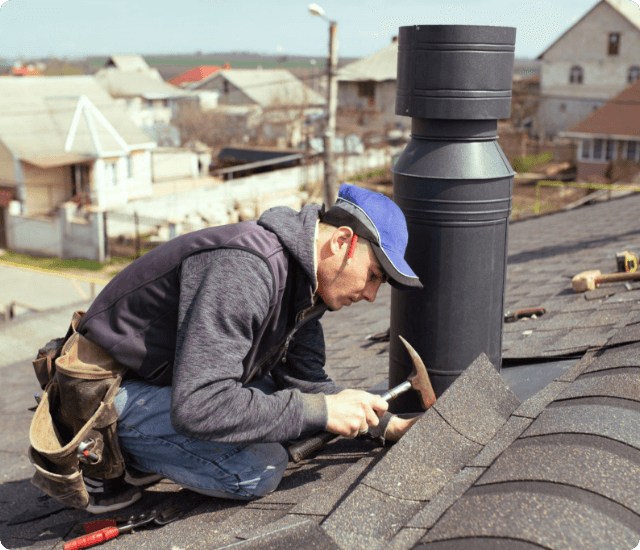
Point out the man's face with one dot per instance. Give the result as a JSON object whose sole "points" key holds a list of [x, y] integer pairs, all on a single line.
{"points": [[340, 284]]}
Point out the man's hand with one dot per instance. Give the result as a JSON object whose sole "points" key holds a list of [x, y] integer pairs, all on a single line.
{"points": [[397, 427], [352, 412]]}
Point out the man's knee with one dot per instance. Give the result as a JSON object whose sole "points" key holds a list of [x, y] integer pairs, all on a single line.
{"points": [[272, 472]]}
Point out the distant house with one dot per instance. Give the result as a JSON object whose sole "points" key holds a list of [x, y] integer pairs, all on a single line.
{"points": [[369, 84], [64, 138], [271, 98], [588, 65], [150, 101], [609, 136], [197, 74], [208, 98], [26, 70]]}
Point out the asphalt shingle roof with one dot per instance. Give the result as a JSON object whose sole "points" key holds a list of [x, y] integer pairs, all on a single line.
{"points": [[620, 116], [479, 469]]}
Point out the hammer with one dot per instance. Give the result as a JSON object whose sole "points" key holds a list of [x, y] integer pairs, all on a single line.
{"points": [[589, 280], [418, 380]]}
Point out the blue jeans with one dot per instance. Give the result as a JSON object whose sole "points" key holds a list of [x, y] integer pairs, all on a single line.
{"points": [[224, 470]]}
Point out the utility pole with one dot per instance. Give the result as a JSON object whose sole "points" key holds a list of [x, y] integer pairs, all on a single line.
{"points": [[329, 186]]}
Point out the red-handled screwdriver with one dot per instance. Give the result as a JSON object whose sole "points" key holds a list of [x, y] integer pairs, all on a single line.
{"points": [[92, 539], [108, 533]]}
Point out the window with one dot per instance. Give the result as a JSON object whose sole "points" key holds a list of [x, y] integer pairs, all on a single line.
{"points": [[563, 107], [597, 149], [632, 148], [576, 75], [366, 89], [129, 167], [610, 150], [586, 148], [614, 43], [110, 174], [633, 74], [225, 86]]}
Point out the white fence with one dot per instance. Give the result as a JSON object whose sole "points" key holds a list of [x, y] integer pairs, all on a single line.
{"points": [[61, 236], [215, 204]]}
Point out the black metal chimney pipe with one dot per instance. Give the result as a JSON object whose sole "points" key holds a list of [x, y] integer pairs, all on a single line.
{"points": [[454, 185]]}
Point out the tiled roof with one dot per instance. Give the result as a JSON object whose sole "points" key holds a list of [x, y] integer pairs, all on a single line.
{"points": [[555, 468], [620, 116], [196, 74]]}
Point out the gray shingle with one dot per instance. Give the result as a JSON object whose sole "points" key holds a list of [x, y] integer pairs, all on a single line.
{"points": [[431, 512], [625, 356], [625, 335], [605, 317], [547, 514], [602, 292], [577, 369], [286, 534], [598, 465], [406, 538], [505, 437], [423, 461], [560, 320], [322, 502], [620, 424], [582, 338], [533, 406], [624, 385], [478, 403], [624, 296], [367, 519]]}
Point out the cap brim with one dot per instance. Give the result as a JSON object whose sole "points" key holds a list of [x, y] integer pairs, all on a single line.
{"points": [[401, 276]]}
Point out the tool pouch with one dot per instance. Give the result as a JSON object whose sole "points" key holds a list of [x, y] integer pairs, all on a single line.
{"points": [[76, 414]]}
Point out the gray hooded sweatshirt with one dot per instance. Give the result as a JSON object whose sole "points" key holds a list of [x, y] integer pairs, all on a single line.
{"points": [[224, 298]]}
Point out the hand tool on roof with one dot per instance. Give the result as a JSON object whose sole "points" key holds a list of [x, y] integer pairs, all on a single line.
{"points": [[589, 280], [97, 537], [522, 313], [418, 380], [627, 262]]}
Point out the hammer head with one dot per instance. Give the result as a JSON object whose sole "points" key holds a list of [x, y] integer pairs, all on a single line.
{"points": [[587, 280], [419, 378]]}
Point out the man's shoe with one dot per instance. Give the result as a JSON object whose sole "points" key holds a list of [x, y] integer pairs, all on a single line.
{"points": [[139, 479], [109, 495]]}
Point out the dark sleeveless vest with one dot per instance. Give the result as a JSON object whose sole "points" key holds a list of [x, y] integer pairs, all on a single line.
{"points": [[135, 316]]}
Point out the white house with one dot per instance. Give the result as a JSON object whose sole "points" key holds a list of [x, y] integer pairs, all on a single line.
{"points": [[64, 138], [588, 65], [369, 85]]}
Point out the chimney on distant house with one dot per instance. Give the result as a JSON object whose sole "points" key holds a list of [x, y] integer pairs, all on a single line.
{"points": [[454, 185]]}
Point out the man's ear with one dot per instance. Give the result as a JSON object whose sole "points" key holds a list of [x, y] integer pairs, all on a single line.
{"points": [[340, 238]]}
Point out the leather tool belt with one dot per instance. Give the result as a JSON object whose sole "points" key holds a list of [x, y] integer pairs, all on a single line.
{"points": [[73, 432]]}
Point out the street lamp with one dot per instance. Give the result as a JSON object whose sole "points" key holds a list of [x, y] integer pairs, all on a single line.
{"points": [[329, 185]]}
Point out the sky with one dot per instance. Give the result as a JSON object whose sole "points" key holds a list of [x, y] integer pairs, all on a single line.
{"points": [[77, 28]]}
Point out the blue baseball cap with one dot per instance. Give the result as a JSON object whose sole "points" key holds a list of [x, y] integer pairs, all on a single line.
{"points": [[378, 219]]}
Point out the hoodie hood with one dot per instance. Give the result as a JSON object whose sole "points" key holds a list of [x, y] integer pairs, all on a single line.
{"points": [[297, 232]]}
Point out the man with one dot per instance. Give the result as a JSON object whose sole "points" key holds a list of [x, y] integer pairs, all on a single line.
{"points": [[220, 332]]}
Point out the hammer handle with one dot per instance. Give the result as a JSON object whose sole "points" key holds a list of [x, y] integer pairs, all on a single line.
{"points": [[303, 449], [617, 277]]}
